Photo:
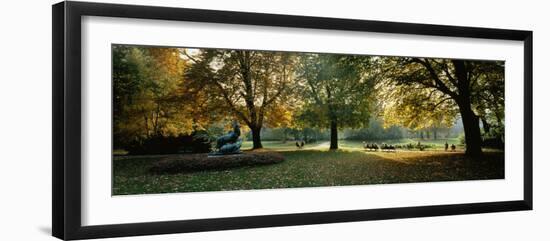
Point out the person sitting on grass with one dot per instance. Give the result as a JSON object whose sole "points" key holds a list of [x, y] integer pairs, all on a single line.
{"points": [[453, 147], [300, 144], [420, 146]]}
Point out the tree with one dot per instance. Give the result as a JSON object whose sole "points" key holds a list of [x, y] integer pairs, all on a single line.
{"points": [[488, 99], [434, 89], [337, 90], [254, 86], [145, 82]]}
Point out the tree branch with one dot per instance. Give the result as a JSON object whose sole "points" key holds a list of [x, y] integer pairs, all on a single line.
{"points": [[231, 104], [441, 102], [438, 82], [189, 56]]}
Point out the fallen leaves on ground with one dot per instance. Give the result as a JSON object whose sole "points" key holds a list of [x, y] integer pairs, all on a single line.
{"points": [[311, 168]]}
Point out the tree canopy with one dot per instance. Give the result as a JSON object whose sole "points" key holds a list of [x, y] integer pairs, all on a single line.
{"points": [[163, 91], [435, 91], [253, 86], [338, 91], [145, 82]]}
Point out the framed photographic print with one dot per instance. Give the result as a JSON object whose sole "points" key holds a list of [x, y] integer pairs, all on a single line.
{"points": [[169, 120]]}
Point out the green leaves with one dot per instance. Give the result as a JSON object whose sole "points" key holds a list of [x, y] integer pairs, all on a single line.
{"points": [[146, 85], [423, 92], [336, 87]]}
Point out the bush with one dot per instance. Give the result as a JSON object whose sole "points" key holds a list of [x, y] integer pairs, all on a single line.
{"points": [[201, 162], [490, 142], [493, 143], [193, 143], [495, 138], [462, 138]]}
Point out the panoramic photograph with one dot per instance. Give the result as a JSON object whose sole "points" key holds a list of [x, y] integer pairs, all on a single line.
{"points": [[189, 119]]}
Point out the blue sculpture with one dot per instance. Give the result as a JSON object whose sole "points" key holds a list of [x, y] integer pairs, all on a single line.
{"points": [[229, 143]]}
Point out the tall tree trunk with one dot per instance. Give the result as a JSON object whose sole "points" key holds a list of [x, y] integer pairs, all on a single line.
{"points": [[333, 135], [256, 140], [156, 121], [472, 132], [146, 122], [435, 134], [470, 121]]}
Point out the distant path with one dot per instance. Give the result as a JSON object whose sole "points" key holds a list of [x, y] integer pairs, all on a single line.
{"points": [[321, 145]]}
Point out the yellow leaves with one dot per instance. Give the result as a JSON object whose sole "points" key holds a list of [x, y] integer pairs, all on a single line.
{"points": [[156, 105], [416, 107], [280, 116]]}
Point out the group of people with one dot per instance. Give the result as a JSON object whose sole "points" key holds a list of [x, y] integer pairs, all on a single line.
{"points": [[409, 146], [387, 147], [383, 147]]}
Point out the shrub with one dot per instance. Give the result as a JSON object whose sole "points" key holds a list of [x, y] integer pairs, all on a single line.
{"points": [[494, 142], [462, 138], [159, 144], [201, 162]]}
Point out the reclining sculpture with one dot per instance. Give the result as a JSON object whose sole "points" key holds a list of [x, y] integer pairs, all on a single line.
{"points": [[229, 143]]}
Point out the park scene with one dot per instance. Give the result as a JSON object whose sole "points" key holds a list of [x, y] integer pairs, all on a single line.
{"points": [[201, 120]]}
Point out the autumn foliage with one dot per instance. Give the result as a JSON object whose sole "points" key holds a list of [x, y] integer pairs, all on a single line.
{"points": [[163, 92]]}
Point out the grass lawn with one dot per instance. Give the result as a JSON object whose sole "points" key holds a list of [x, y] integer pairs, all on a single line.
{"points": [[312, 166]]}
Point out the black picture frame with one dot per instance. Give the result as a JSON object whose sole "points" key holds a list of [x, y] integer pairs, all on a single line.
{"points": [[66, 58]]}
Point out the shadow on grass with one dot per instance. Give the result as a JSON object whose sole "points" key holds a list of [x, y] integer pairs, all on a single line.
{"points": [[311, 168]]}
